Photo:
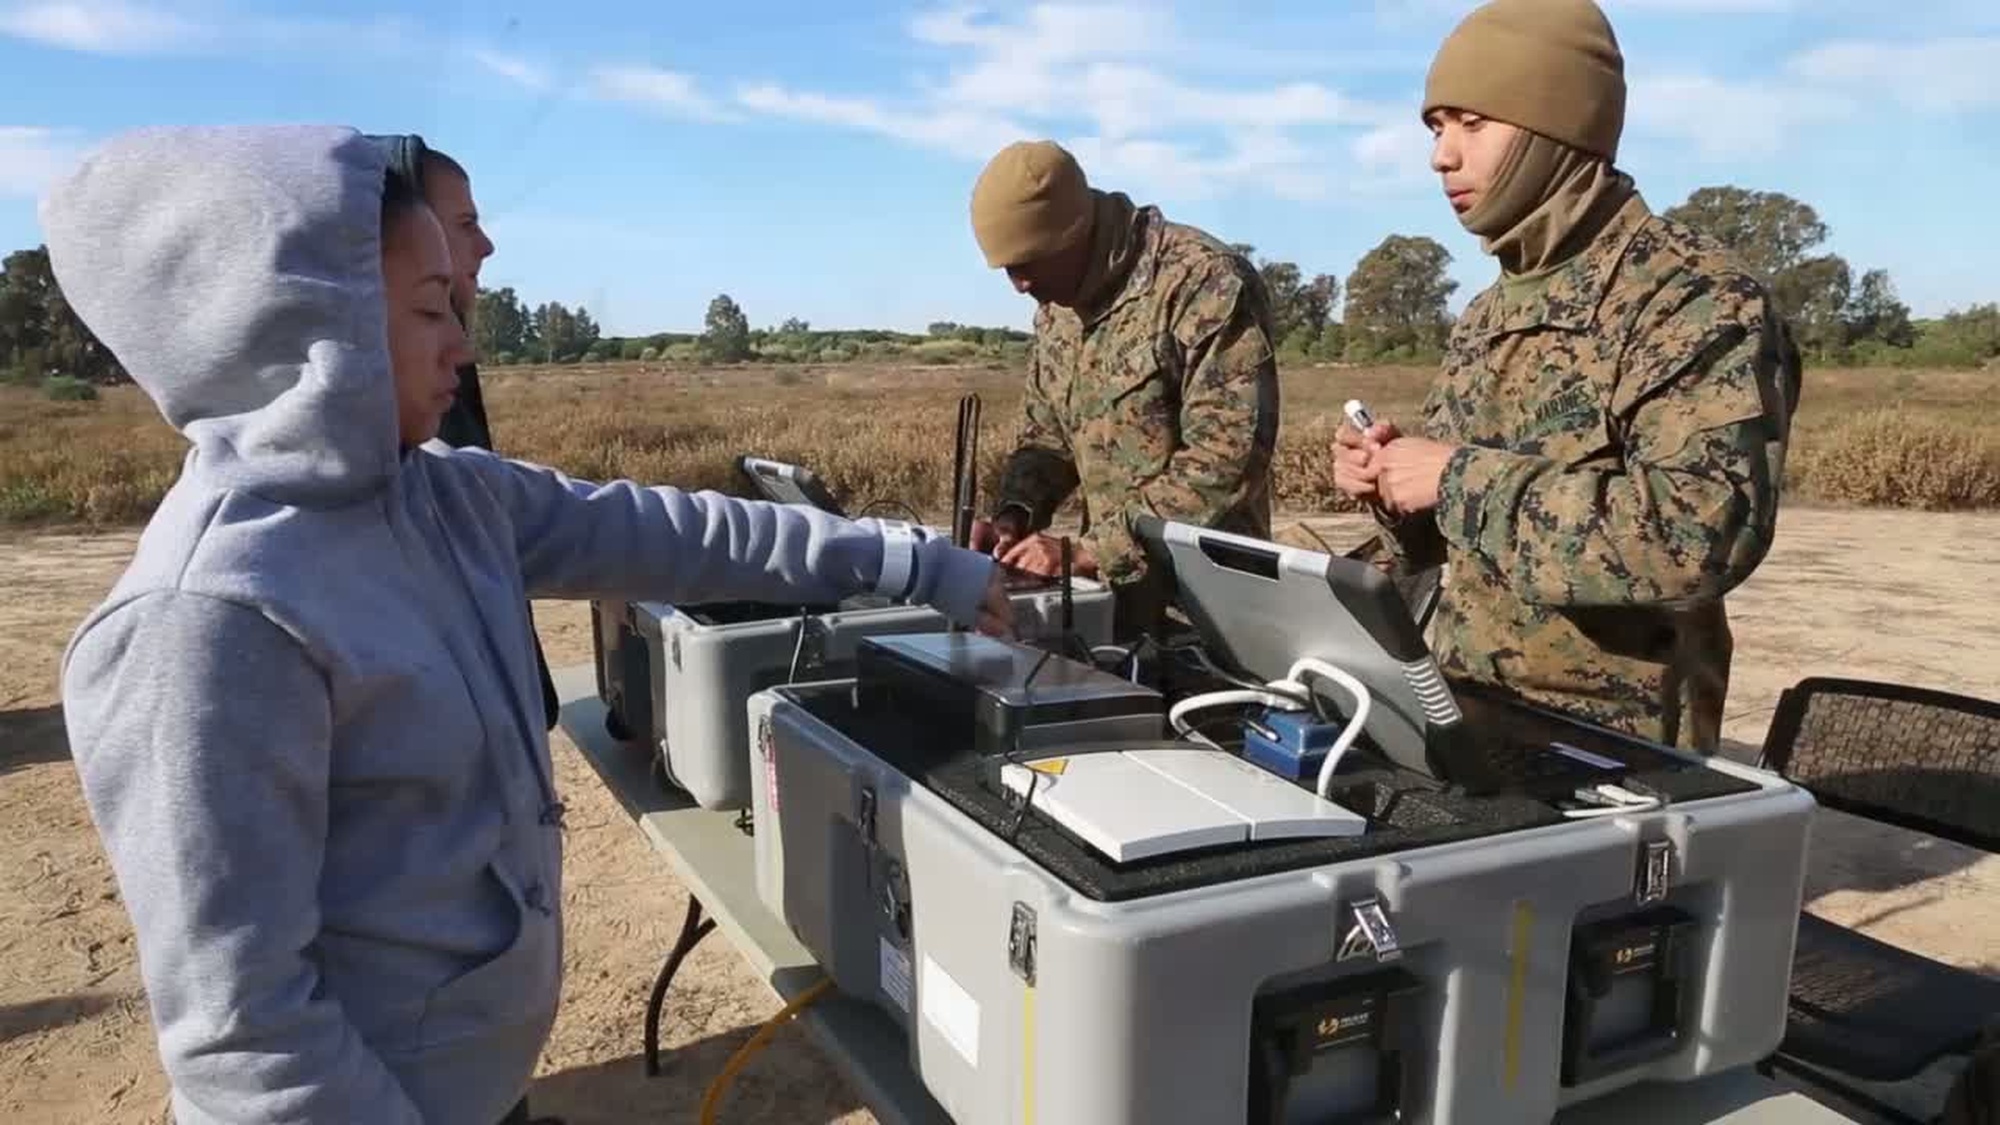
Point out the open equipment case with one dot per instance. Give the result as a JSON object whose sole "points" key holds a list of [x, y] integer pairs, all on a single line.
{"points": [[1482, 912], [677, 677]]}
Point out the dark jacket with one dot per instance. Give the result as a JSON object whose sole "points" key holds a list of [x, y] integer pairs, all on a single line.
{"points": [[465, 425]]}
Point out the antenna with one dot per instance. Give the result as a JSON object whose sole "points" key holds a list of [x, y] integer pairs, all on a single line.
{"points": [[965, 471], [1068, 605]]}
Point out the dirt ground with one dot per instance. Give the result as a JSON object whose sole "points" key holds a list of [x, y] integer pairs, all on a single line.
{"points": [[1887, 595]]}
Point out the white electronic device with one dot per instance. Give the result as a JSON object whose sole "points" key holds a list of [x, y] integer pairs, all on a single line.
{"points": [[1139, 803]]}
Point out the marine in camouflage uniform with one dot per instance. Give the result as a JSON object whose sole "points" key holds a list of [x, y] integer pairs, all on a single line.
{"points": [[1619, 400], [1153, 382]]}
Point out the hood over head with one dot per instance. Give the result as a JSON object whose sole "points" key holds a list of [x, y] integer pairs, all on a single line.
{"points": [[236, 273]]}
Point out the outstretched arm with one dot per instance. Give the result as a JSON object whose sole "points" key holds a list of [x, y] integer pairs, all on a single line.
{"points": [[577, 539], [1705, 402], [1228, 420], [202, 735]]}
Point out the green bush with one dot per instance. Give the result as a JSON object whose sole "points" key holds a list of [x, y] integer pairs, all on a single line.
{"points": [[68, 388]]}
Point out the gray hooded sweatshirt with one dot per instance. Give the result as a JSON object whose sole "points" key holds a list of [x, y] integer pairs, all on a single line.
{"points": [[307, 718]]}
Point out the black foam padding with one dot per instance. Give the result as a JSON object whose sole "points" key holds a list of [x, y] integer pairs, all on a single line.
{"points": [[1506, 724], [1411, 814]]}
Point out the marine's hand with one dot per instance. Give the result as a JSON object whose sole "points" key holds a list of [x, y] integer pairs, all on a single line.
{"points": [[1375, 437], [1409, 472], [1042, 555], [1355, 470], [996, 610], [1354, 475], [996, 535]]}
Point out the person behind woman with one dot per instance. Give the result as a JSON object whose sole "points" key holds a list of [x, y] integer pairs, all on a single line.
{"points": [[447, 188], [304, 717]]}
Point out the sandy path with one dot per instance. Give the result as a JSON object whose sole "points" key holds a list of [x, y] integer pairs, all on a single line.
{"points": [[1901, 596]]}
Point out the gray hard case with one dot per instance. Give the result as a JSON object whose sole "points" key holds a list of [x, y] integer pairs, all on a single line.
{"points": [[1026, 1000], [703, 663], [1468, 931]]}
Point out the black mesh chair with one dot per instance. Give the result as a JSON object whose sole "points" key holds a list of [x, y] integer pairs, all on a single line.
{"points": [[1923, 760]]}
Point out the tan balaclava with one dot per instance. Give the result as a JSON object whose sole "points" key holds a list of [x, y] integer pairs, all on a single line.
{"points": [[1033, 201], [1030, 202], [1553, 69]]}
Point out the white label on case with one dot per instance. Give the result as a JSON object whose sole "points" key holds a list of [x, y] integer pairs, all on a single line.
{"points": [[895, 971], [951, 1010]]}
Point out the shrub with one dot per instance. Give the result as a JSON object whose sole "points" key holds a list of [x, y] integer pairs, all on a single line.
{"points": [[68, 388], [1883, 459]]}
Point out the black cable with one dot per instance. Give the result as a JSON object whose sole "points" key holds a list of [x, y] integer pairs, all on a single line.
{"points": [[1308, 698], [905, 509]]}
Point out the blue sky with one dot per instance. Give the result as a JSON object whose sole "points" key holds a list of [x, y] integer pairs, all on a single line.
{"points": [[814, 159]]}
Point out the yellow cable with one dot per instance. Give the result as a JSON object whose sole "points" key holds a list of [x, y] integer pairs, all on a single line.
{"points": [[713, 1098]]}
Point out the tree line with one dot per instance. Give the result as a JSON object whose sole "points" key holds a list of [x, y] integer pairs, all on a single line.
{"points": [[1391, 307]]}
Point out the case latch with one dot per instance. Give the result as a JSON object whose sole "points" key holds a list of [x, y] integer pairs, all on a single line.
{"points": [[1656, 870], [864, 816], [810, 655], [1372, 931], [1021, 942]]}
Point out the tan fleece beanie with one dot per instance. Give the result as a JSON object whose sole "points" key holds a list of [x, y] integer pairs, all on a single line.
{"points": [[1031, 201], [1552, 66]]}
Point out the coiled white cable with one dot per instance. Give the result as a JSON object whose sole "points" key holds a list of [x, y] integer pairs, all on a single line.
{"points": [[1177, 714], [1126, 654], [1292, 683], [1362, 702]]}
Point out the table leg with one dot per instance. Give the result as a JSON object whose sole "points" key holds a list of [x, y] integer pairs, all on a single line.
{"points": [[693, 928]]}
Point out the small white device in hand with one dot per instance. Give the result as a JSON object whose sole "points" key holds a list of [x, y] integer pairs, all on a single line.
{"points": [[1357, 413]]}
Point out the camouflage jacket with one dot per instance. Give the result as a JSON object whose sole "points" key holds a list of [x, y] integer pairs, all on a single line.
{"points": [[1165, 402], [1622, 424]]}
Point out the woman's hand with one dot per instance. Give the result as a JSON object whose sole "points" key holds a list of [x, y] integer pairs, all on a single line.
{"points": [[996, 610]]}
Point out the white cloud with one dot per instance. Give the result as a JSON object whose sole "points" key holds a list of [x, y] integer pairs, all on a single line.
{"points": [[963, 132], [108, 27], [31, 157], [1723, 119], [1121, 85], [1941, 75], [661, 91], [1612, 8], [517, 70], [129, 28], [1831, 84], [1404, 11]]}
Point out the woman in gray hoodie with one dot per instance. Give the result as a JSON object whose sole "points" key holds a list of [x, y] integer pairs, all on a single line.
{"points": [[306, 719]]}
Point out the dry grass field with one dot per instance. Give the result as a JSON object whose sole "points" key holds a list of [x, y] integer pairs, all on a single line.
{"points": [[1865, 437], [1895, 594]]}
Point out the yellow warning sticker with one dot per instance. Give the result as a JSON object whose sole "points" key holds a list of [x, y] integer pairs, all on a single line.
{"points": [[1050, 766]]}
